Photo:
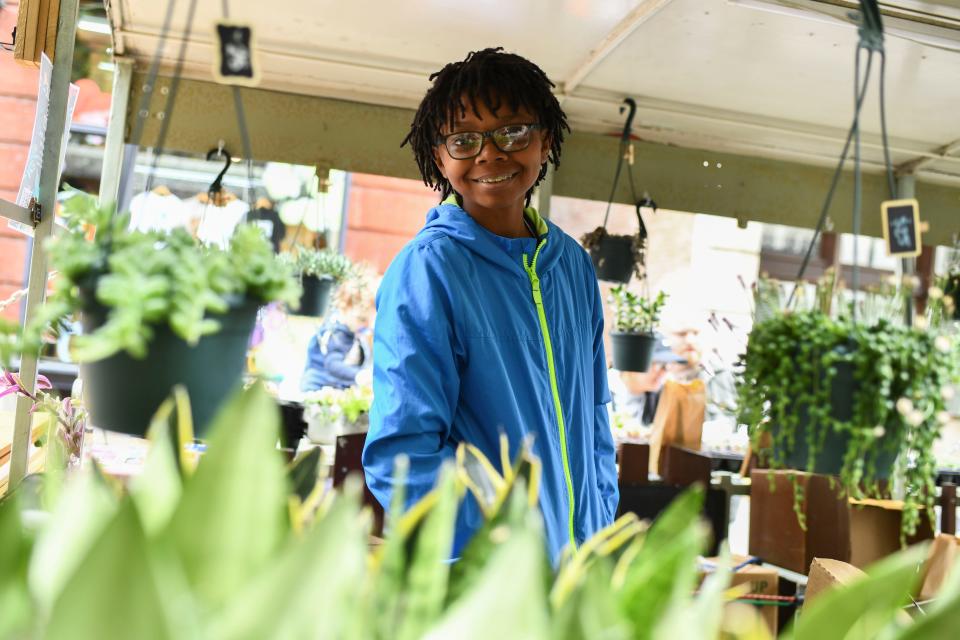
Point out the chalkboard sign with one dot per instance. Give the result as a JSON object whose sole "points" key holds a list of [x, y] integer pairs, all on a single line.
{"points": [[234, 63], [901, 227]]}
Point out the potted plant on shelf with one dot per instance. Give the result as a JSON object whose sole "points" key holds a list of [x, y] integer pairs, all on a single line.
{"points": [[860, 399], [635, 318], [321, 270], [157, 310], [333, 412]]}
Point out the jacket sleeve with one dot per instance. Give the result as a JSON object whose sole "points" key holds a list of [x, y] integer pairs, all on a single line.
{"points": [[604, 451], [415, 377]]}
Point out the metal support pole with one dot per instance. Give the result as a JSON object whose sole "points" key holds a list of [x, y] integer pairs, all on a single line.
{"points": [[113, 150], [49, 183], [907, 188]]}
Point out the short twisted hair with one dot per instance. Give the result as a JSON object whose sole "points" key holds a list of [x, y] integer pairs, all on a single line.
{"points": [[496, 79]]}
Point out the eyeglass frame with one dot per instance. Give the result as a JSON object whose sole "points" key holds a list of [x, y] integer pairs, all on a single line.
{"points": [[442, 139]]}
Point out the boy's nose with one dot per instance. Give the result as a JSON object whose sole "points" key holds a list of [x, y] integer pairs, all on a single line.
{"points": [[489, 151]]}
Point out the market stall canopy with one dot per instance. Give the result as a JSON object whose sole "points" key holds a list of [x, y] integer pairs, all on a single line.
{"points": [[760, 87]]}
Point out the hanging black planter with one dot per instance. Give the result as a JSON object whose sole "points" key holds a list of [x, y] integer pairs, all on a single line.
{"points": [[632, 351], [316, 295], [834, 445], [617, 257], [122, 393]]}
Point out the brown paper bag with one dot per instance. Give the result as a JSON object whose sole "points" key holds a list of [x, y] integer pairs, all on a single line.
{"points": [[679, 418], [941, 560]]}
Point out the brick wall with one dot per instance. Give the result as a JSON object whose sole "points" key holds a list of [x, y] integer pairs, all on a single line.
{"points": [[383, 214], [18, 98]]}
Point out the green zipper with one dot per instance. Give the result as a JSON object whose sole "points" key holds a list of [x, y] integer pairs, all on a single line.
{"points": [[531, 270]]}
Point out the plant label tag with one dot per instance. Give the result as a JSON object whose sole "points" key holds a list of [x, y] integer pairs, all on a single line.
{"points": [[901, 227], [234, 62]]}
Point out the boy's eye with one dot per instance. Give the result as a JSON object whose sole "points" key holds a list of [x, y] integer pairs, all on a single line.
{"points": [[512, 130], [463, 141]]}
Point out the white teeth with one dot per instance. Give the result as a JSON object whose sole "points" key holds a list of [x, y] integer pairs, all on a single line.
{"points": [[495, 180]]}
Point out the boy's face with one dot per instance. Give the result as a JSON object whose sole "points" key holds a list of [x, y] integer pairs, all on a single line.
{"points": [[493, 181]]}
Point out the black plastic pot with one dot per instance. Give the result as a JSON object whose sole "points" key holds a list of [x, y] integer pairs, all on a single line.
{"points": [[829, 459], [316, 295], [612, 258], [632, 351], [122, 393]]}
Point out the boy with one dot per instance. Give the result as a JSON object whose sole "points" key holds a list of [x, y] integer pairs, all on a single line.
{"points": [[489, 320]]}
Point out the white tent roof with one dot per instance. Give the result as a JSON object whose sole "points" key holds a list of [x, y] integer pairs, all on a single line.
{"points": [[768, 78]]}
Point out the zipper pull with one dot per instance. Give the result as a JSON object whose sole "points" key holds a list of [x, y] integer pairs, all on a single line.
{"points": [[535, 286]]}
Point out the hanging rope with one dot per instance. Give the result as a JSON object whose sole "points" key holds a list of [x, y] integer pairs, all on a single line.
{"points": [[871, 39], [143, 112], [171, 96], [144, 109], [242, 123], [624, 143]]}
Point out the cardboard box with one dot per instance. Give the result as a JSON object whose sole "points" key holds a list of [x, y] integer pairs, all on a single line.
{"points": [[634, 467], [761, 581], [875, 530], [941, 559], [826, 573], [775, 533], [682, 467]]}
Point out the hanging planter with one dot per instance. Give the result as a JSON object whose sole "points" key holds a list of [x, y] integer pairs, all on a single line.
{"points": [[321, 270], [618, 257], [844, 398], [633, 338], [157, 310], [122, 392], [828, 443], [632, 351], [316, 295]]}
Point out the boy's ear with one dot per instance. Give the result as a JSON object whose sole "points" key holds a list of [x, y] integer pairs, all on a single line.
{"points": [[438, 160], [545, 149]]}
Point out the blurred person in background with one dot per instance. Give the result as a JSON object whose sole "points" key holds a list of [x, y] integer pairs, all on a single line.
{"points": [[340, 354]]}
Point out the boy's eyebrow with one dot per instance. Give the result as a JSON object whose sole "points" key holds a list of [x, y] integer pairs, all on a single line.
{"points": [[514, 118]]}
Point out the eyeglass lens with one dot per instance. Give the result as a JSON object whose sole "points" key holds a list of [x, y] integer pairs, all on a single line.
{"points": [[513, 137]]}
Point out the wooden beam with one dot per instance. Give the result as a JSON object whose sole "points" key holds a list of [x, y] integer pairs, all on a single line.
{"points": [[365, 138]]}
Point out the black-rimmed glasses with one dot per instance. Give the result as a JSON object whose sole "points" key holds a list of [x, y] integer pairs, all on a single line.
{"points": [[467, 144]]}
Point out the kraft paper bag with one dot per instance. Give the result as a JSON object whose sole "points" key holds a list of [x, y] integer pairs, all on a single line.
{"points": [[679, 418]]}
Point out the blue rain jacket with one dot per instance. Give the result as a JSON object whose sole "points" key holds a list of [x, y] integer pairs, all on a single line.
{"points": [[460, 355]]}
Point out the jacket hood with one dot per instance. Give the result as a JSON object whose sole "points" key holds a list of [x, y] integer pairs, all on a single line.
{"points": [[451, 220]]}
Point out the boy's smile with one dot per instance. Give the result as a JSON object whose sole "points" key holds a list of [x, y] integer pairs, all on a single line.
{"points": [[494, 183]]}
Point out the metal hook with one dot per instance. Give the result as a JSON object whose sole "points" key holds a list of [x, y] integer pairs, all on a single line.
{"points": [[632, 105], [217, 185]]}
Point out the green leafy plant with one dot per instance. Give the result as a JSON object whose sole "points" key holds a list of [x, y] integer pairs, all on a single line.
{"points": [[899, 379], [234, 546], [634, 313], [144, 280], [323, 263], [331, 404]]}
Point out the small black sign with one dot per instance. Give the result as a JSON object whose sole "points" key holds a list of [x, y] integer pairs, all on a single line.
{"points": [[235, 54], [901, 227]]}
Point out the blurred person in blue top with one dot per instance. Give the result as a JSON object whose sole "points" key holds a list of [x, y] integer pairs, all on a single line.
{"points": [[489, 321], [339, 354]]}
